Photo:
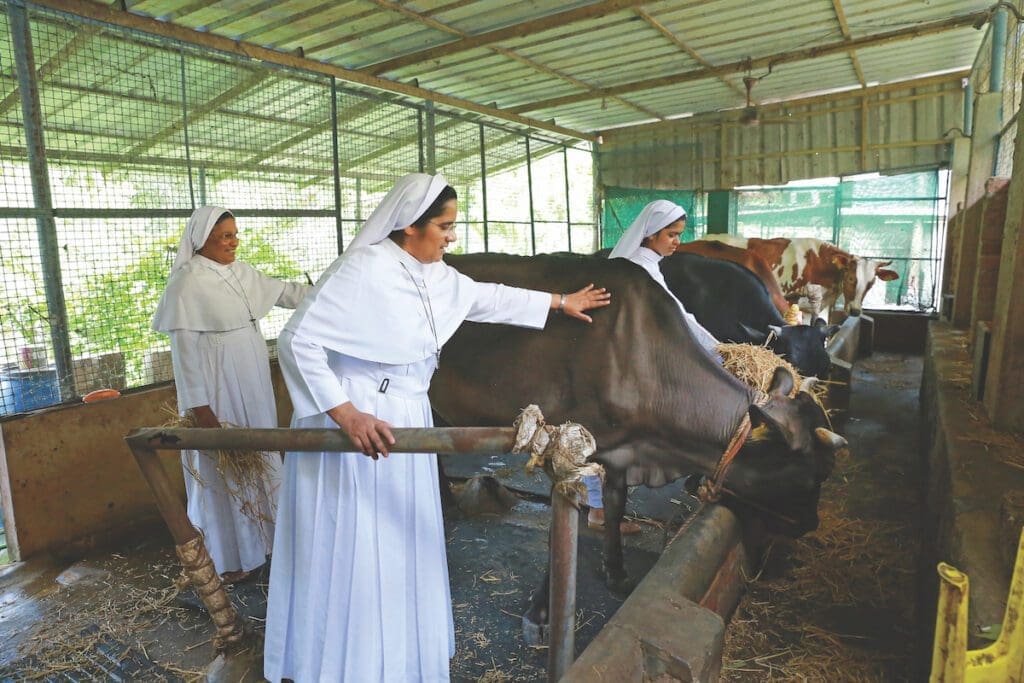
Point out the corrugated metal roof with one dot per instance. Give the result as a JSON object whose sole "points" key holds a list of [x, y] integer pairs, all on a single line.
{"points": [[579, 62]]}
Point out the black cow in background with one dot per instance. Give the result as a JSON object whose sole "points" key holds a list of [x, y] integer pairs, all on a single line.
{"points": [[734, 306]]}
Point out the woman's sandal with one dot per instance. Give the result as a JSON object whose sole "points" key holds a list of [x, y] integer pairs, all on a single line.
{"points": [[232, 578]]}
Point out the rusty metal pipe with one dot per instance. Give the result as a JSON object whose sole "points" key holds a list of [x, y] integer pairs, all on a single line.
{"points": [[468, 440], [562, 598]]}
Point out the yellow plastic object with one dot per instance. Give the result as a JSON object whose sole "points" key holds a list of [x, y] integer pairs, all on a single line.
{"points": [[1000, 662]]}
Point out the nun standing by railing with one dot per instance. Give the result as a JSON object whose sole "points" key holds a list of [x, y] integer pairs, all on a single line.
{"points": [[211, 310], [359, 585]]}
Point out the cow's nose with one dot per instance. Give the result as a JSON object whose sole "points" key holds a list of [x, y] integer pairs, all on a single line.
{"points": [[854, 311]]}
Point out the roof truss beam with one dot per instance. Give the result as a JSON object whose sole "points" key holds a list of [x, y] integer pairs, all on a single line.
{"points": [[559, 19], [916, 31], [505, 52], [837, 5]]}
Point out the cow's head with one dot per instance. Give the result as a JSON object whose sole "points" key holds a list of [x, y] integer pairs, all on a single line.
{"points": [[804, 347], [779, 471], [858, 274]]}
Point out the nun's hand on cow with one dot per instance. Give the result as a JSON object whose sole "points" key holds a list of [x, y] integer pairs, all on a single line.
{"points": [[583, 300], [370, 435]]}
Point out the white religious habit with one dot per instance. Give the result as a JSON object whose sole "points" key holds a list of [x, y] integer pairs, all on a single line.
{"points": [[655, 217], [211, 312], [359, 583]]}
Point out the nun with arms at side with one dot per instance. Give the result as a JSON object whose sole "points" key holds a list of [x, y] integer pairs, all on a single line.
{"points": [[211, 310], [359, 584]]}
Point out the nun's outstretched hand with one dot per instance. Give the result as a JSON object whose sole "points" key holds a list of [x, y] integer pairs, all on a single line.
{"points": [[582, 300], [370, 435]]}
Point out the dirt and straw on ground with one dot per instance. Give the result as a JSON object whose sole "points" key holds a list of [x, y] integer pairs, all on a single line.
{"points": [[839, 603], [114, 602]]}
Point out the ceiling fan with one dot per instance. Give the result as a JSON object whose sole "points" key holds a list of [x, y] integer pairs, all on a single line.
{"points": [[750, 114]]}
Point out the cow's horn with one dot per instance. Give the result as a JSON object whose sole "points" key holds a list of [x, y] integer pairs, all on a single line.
{"points": [[829, 438], [807, 384]]}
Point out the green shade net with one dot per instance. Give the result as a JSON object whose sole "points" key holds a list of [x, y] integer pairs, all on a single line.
{"points": [[622, 205]]}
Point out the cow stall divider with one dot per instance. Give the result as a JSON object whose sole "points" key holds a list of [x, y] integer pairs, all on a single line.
{"points": [[145, 442]]}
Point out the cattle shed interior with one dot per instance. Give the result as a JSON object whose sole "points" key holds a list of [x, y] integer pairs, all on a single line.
{"points": [[886, 127]]}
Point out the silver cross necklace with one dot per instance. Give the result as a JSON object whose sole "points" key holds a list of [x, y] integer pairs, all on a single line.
{"points": [[428, 310], [240, 291]]}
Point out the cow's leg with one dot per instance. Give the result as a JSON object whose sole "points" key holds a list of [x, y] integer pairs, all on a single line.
{"points": [[535, 621], [448, 501], [614, 510]]}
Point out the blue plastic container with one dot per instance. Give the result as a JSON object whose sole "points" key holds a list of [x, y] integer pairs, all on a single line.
{"points": [[23, 390]]}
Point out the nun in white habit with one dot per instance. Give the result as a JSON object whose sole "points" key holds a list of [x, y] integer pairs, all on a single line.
{"points": [[359, 583], [211, 310], [651, 237]]}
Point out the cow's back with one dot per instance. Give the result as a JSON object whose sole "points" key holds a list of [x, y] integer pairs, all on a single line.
{"points": [[744, 257]]}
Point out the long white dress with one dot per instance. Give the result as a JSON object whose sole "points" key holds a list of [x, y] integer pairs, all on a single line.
{"points": [[359, 583], [229, 370]]}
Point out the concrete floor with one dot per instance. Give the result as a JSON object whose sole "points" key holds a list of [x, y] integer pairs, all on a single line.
{"points": [[495, 563], [88, 615]]}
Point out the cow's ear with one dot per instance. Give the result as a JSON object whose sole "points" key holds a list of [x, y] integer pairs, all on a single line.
{"points": [[886, 274], [782, 383], [781, 418]]}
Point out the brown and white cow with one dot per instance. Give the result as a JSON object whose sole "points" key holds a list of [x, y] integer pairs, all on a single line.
{"points": [[659, 407], [816, 270]]}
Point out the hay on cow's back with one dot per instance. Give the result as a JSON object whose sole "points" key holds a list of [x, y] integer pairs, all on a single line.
{"points": [[755, 366]]}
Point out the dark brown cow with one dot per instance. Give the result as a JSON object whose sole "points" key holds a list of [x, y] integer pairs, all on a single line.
{"points": [[658, 406], [746, 258]]}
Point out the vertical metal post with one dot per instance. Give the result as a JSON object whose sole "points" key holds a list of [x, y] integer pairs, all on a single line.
{"points": [[202, 186], [968, 109], [529, 182], [483, 183], [46, 226], [338, 225], [429, 148], [422, 164], [998, 60], [568, 211], [562, 606], [597, 190], [184, 130], [359, 202]]}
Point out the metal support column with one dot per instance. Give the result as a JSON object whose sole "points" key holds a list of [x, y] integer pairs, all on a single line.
{"points": [[529, 183], [568, 202], [46, 227], [338, 225], [202, 186], [995, 75], [483, 184], [429, 149], [565, 521]]}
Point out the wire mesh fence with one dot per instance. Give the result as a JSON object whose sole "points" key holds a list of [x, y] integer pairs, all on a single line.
{"points": [[135, 131]]}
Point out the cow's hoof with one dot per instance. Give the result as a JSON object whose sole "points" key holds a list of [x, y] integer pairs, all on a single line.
{"points": [[620, 585], [533, 633]]}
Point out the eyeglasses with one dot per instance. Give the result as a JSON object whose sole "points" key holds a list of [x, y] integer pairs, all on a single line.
{"points": [[447, 226]]}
